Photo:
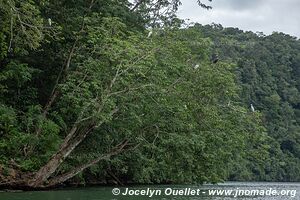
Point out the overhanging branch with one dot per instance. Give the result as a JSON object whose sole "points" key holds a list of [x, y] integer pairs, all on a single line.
{"points": [[62, 178]]}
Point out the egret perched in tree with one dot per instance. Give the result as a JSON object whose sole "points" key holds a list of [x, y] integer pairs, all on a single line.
{"points": [[149, 34], [229, 103], [252, 107], [49, 21], [196, 66]]}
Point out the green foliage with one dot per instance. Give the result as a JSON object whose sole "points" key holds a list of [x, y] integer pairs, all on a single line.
{"points": [[94, 66], [21, 26], [268, 74]]}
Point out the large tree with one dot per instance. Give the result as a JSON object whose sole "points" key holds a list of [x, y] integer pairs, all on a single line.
{"points": [[81, 82]]}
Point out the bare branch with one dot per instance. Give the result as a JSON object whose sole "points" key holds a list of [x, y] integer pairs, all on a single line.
{"points": [[11, 31], [204, 5], [137, 5]]}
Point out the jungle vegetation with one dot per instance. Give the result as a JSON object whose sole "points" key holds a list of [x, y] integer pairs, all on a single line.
{"points": [[107, 91]]}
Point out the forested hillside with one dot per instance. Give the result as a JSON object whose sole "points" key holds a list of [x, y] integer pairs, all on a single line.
{"points": [[268, 73], [113, 92]]}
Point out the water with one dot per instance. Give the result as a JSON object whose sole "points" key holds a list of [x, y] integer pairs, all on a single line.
{"points": [[235, 190]]}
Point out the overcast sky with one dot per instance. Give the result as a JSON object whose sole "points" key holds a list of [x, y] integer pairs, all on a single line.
{"points": [[255, 15]]}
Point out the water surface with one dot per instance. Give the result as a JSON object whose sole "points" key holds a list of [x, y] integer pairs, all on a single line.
{"points": [[238, 190]]}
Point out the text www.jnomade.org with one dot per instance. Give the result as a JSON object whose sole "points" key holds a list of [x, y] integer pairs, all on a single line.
{"points": [[200, 192]]}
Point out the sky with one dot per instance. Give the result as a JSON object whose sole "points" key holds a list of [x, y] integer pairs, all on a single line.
{"points": [[249, 15]]}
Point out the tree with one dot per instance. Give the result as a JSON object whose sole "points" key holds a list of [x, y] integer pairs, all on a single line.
{"points": [[92, 85]]}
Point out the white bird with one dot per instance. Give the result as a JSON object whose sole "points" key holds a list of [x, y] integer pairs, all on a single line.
{"points": [[196, 66], [49, 21], [229, 103], [252, 108], [149, 34]]}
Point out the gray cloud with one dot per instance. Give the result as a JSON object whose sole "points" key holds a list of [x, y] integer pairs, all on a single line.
{"points": [[256, 15], [237, 4]]}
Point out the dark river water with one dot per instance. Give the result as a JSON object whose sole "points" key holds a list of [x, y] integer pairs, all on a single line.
{"points": [[225, 191]]}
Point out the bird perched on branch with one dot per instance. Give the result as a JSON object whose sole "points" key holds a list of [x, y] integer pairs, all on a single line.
{"points": [[49, 21], [150, 34], [214, 58], [252, 107]]}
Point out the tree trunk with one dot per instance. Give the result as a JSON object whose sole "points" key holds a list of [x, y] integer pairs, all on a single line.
{"points": [[66, 148], [62, 178]]}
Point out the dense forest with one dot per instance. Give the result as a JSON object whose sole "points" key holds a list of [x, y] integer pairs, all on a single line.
{"points": [[120, 92], [268, 75]]}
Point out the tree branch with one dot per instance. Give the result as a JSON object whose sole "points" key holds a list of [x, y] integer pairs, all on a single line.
{"points": [[137, 5], [64, 69], [62, 178], [11, 31], [72, 140]]}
